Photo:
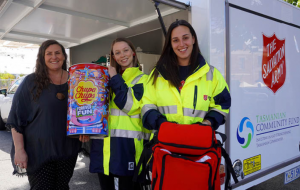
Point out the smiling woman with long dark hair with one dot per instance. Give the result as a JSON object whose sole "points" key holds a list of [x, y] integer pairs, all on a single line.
{"points": [[38, 121], [183, 87]]}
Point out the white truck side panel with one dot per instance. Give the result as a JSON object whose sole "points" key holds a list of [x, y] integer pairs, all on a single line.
{"points": [[208, 20], [274, 8], [250, 95], [269, 119], [200, 19]]}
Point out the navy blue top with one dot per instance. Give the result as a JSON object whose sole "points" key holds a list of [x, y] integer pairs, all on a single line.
{"points": [[184, 72], [43, 124]]}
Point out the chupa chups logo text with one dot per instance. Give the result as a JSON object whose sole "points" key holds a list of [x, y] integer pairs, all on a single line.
{"points": [[85, 92], [273, 62]]}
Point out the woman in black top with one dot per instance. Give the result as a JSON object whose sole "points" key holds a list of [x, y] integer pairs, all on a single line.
{"points": [[38, 121]]}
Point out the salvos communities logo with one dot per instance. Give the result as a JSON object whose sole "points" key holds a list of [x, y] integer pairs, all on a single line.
{"points": [[273, 62], [243, 134]]}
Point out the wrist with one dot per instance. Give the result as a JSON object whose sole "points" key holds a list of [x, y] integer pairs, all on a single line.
{"points": [[19, 149], [207, 122], [112, 75]]}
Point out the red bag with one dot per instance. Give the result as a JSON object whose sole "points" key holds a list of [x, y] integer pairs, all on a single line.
{"points": [[193, 139], [186, 157], [187, 160]]}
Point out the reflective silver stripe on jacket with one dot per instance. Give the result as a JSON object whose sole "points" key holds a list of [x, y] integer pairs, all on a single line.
{"points": [[219, 111], [167, 109], [134, 81], [117, 112], [129, 101], [197, 113], [210, 74], [146, 108], [129, 134]]}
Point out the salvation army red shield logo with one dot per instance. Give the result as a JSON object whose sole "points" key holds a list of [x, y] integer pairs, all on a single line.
{"points": [[273, 62], [205, 97]]}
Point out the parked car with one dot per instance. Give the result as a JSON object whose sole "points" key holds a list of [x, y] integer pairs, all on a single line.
{"points": [[6, 97]]}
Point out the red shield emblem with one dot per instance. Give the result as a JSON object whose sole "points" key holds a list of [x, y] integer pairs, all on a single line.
{"points": [[273, 62], [205, 97]]}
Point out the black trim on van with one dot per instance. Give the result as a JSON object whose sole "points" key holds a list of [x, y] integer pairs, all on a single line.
{"points": [[262, 15]]}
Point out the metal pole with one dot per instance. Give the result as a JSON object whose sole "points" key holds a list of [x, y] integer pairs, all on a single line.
{"points": [[227, 73], [175, 4], [160, 19]]}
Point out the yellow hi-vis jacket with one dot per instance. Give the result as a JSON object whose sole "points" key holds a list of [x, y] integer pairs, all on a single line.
{"points": [[124, 144], [204, 94]]}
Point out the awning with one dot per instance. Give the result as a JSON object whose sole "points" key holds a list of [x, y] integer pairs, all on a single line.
{"points": [[73, 22]]}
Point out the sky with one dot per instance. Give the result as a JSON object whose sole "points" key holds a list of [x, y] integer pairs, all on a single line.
{"points": [[17, 61]]}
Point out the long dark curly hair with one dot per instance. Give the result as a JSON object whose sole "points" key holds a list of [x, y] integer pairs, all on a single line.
{"points": [[42, 79]]}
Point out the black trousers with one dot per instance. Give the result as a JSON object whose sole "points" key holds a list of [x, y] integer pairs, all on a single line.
{"points": [[125, 182], [53, 175]]}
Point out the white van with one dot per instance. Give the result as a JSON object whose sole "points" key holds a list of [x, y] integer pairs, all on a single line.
{"points": [[6, 97]]}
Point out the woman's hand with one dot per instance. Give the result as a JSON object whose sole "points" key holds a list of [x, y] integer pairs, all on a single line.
{"points": [[84, 138], [111, 71], [206, 122], [21, 158]]}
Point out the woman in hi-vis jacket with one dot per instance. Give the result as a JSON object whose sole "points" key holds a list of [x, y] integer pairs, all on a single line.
{"points": [[118, 154], [183, 87]]}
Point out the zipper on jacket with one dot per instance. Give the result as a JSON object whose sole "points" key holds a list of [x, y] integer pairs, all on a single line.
{"points": [[195, 98]]}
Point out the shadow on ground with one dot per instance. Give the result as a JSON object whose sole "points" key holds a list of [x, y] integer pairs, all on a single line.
{"points": [[6, 141]]}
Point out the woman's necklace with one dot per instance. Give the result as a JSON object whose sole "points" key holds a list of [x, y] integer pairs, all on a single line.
{"points": [[60, 95]]}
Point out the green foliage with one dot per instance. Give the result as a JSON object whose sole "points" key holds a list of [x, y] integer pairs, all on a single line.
{"points": [[294, 2], [6, 75]]}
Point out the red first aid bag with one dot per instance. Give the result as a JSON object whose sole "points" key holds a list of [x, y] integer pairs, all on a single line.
{"points": [[173, 171], [193, 139], [186, 157]]}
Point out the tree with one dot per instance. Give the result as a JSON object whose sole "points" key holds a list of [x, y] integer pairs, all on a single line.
{"points": [[294, 2], [6, 75], [6, 80]]}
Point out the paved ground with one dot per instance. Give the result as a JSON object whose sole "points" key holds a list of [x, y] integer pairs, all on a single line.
{"points": [[83, 180], [277, 183]]}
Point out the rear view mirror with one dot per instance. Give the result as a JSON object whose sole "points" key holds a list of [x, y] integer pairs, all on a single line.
{"points": [[3, 91]]}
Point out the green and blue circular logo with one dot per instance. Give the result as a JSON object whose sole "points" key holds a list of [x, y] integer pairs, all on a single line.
{"points": [[244, 136]]}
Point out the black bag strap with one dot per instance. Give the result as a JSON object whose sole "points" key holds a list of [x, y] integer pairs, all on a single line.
{"points": [[222, 135], [144, 177], [145, 158], [229, 170]]}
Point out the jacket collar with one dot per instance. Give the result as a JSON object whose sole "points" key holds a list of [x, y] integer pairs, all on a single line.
{"points": [[130, 73], [202, 68]]}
